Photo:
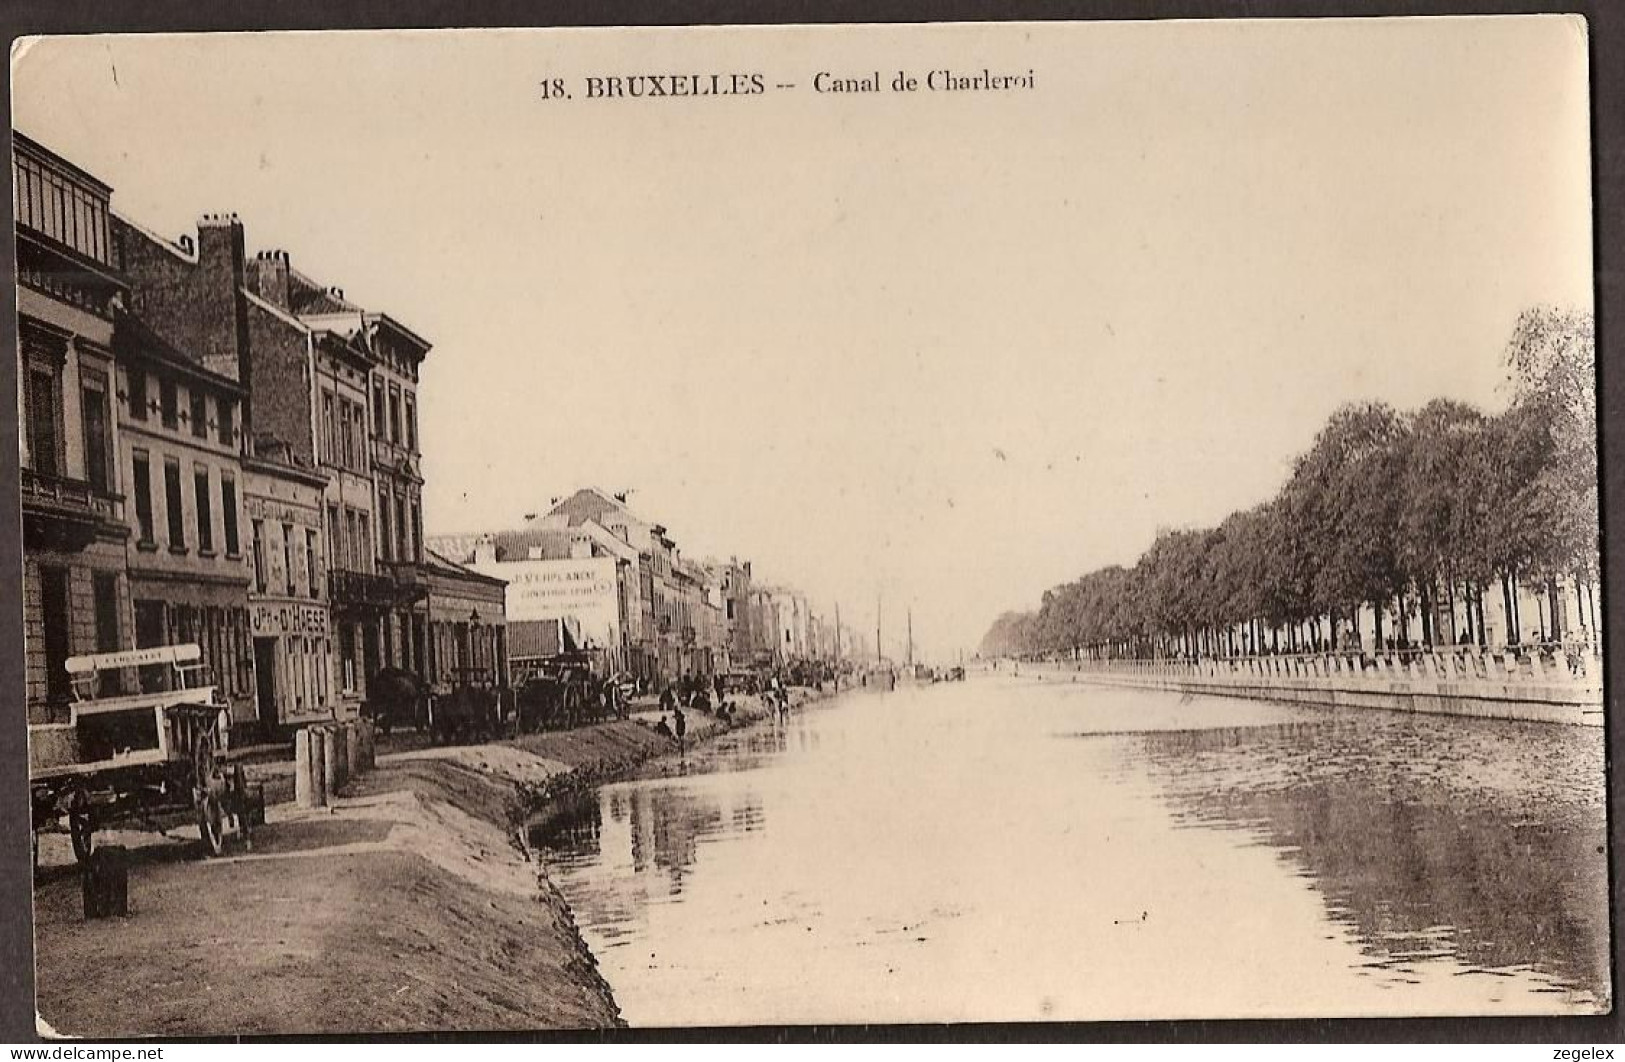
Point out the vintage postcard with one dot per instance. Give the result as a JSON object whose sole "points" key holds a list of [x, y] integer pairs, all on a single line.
{"points": [[543, 529]]}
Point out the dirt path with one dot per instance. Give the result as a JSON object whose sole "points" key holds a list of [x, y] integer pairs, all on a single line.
{"points": [[408, 906]]}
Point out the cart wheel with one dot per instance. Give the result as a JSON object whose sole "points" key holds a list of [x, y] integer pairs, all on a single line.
{"points": [[81, 825], [212, 824]]}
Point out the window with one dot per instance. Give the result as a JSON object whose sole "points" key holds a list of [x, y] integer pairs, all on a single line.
{"points": [[385, 539], [228, 425], [259, 555], [363, 543], [137, 381], [200, 415], [358, 426], [378, 408], [329, 429], [403, 529], [287, 556], [205, 518], [347, 656], [104, 589], [352, 544], [349, 436], [228, 512], [44, 444], [395, 415], [55, 612], [417, 532], [141, 483], [176, 510], [167, 403], [335, 538], [312, 577], [411, 424], [98, 436]]}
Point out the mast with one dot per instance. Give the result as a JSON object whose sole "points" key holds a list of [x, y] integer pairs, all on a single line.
{"points": [[911, 637], [877, 629]]}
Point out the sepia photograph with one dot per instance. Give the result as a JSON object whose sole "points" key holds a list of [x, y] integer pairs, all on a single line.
{"points": [[725, 527]]}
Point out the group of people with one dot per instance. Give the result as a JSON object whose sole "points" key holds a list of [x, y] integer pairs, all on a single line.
{"points": [[694, 693]]}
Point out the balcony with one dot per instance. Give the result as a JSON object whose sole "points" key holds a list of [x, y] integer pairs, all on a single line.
{"points": [[54, 269], [395, 458], [397, 588], [67, 514]]}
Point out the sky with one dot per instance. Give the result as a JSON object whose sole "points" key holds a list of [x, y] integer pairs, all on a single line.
{"points": [[932, 351]]}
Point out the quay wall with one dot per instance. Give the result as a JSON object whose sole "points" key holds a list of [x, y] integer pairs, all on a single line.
{"points": [[1553, 696]]}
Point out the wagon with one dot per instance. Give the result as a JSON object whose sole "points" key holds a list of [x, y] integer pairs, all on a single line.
{"points": [[139, 756], [469, 709], [557, 691]]}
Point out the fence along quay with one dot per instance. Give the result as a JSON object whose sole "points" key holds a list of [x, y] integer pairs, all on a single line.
{"points": [[1547, 684]]}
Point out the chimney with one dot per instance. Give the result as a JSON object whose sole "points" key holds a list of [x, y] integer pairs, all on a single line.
{"points": [[268, 278], [485, 550], [221, 273]]}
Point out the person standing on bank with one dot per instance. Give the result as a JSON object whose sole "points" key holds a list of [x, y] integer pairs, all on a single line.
{"points": [[681, 726]]}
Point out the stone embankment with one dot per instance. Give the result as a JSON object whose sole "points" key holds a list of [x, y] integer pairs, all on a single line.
{"points": [[409, 903], [1466, 682]]}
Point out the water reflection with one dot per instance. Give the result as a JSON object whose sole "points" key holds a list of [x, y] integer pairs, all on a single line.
{"points": [[1429, 838], [1017, 851], [660, 829]]}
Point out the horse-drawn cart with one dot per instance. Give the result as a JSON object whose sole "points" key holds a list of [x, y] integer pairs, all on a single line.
{"points": [[139, 756]]}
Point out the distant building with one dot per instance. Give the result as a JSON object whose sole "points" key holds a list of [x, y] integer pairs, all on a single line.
{"points": [[567, 587], [467, 625]]}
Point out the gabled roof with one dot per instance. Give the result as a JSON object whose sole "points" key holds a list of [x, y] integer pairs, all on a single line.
{"points": [[443, 566]]}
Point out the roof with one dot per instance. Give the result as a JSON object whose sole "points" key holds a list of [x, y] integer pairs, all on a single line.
{"points": [[30, 146], [154, 238], [275, 311], [390, 323], [306, 296], [516, 544], [445, 567], [133, 338], [266, 464], [609, 501]]}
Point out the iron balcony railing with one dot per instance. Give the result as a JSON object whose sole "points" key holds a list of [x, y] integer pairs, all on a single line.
{"points": [[69, 496]]}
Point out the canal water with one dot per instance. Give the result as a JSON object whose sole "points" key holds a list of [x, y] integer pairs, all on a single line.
{"points": [[1018, 849]]}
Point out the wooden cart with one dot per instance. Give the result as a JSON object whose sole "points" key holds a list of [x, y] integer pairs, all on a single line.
{"points": [[140, 756]]}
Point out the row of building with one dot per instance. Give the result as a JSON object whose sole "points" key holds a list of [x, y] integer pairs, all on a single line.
{"points": [[591, 575], [217, 448]]}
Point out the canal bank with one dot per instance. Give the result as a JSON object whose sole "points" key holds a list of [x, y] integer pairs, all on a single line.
{"points": [[410, 904], [1480, 685]]}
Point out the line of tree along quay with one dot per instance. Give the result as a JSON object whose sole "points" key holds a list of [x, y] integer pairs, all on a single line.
{"points": [[1416, 517]]}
